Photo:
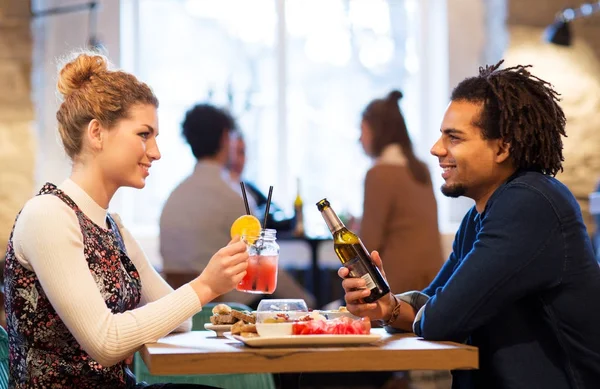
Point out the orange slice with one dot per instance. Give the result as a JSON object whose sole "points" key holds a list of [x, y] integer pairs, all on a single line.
{"points": [[246, 225]]}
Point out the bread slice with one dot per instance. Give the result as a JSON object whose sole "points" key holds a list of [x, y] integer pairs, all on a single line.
{"points": [[249, 327], [243, 315], [236, 329], [221, 309], [222, 319]]}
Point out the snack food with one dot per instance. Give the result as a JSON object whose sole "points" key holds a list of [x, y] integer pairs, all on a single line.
{"points": [[241, 327], [223, 314]]}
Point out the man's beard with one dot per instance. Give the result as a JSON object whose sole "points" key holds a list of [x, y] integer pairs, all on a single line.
{"points": [[456, 190]]}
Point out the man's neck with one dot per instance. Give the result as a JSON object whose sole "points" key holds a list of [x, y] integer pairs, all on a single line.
{"points": [[215, 160], [482, 199]]}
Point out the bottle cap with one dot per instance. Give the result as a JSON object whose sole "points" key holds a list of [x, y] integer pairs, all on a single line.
{"points": [[321, 205]]}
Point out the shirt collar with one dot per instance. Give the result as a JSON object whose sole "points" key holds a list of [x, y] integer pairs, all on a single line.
{"points": [[86, 204], [391, 155]]}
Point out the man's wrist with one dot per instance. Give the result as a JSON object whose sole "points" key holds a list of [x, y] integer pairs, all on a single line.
{"points": [[393, 304], [394, 311]]}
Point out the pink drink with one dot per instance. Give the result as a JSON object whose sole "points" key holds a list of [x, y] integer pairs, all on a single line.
{"points": [[261, 275]]}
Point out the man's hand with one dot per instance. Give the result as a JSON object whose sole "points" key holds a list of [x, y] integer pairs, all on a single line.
{"points": [[355, 289]]}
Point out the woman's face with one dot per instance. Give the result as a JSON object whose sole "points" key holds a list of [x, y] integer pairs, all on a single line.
{"points": [[129, 148], [366, 137]]}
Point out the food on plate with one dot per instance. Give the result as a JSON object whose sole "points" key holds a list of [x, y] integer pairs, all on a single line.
{"points": [[223, 314], [244, 316], [287, 318], [339, 326], [221, 309], [241, 327], [277, 318]]}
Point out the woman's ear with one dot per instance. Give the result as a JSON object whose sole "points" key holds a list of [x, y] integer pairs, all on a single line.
{"points": [[94, 134]]}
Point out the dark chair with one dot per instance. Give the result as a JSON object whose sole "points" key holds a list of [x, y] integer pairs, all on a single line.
{"points": [[3, 359]]}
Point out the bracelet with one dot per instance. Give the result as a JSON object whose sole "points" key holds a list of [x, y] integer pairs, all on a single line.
{"points": [[395, 312]]}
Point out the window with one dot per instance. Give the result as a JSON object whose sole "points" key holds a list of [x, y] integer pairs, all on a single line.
{"points": [[295, 73]]}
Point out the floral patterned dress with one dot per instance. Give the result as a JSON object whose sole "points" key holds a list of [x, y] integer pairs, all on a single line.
{"points": [[42, 351]]}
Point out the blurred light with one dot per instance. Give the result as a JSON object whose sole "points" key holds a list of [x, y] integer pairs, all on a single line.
{"points": [[586, 9], [559, 31], [331, 47], [370, 14], [252, 22], [569, 14], [377, 53]]}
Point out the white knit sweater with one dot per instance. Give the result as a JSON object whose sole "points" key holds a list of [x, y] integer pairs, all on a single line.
{"points": [[47, 239]]}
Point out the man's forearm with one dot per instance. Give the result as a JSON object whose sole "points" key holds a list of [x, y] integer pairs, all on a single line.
{"points": [[405, 310]]}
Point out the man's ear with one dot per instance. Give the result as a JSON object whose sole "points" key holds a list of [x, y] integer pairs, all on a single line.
{"points": [[502, 151], [94, 133]]}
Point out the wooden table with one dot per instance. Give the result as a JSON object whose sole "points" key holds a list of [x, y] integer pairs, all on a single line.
{"points": [[200, 352]]}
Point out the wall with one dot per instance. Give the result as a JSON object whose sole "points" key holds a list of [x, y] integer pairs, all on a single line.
{"points": [[56, 36], [17, 144], [575, 73]]}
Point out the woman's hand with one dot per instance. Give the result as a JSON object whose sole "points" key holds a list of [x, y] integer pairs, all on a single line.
{"points": [[223, 272], [355, 289]]}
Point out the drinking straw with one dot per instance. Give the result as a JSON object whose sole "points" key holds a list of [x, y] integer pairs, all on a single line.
{"points": [[267, 207], [245, 198]]}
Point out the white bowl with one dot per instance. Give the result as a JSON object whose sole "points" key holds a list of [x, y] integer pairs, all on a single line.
{"points": [[267, 330], [330, 315]]}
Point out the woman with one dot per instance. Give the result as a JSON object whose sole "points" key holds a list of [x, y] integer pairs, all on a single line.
{"points": [[81, 296], [400, 211]]}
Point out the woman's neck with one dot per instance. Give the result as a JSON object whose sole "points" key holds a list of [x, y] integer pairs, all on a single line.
{"points": [[91, 181]]}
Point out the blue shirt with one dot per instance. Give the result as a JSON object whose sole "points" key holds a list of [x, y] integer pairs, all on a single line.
{"points": [[523, 286]]}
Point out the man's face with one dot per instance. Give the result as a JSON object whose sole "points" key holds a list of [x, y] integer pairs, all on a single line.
{"points": [[237, 155], [471, 165]]}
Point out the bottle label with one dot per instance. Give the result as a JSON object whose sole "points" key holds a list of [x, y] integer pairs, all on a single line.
{"points": [[359, 270], [369, 281]]}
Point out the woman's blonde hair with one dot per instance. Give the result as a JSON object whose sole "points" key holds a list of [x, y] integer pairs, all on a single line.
{"points": [[91, 90]]}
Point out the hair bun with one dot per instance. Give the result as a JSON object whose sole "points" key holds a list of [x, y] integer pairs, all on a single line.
{"points": [[394, 95], [79, 70]]}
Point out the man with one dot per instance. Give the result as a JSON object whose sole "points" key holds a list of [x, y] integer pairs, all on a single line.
{"points": [[521, 283], [197, 217]]}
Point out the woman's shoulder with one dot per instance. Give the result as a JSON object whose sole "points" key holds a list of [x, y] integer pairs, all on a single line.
{"points": [[44, 206]]}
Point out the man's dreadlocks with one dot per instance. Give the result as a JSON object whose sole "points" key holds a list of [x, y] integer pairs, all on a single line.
{"points": [[522, 110]]}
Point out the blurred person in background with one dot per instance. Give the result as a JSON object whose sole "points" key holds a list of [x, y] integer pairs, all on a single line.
{"points": [[400, 211], [199, 212], [81, 296]]}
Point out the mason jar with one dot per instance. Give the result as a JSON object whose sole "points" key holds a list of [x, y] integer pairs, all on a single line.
{"points": [[261, 274]]}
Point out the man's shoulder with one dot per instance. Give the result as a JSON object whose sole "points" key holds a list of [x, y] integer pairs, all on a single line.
{"points": [[543, 185], [536, 192], [201, 198]]}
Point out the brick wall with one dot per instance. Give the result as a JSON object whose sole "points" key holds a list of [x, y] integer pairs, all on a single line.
{"points": [[17, 152], [575, 72]]}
